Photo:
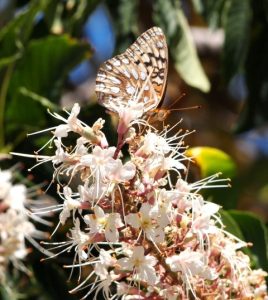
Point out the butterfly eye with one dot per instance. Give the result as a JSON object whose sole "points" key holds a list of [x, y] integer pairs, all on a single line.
{"points": [[138, 74]]}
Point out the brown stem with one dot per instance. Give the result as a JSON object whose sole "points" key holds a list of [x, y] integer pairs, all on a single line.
{"points": [[120, 144]]}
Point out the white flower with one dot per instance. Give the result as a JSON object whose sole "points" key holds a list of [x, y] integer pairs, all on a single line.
{"points": [[72, 120], [236, 260], [183, 186], [202, 213], [61, 131], [16, 197], [99, 161], [164, 207], [111, 229], [106, 261], [190, 263], [147, 219], [117, 172], [68, 205], [260, 291], [153, 144], [72, 123], [96, 221], [60, 155], [159, 155], [141, 265], [95, 192], [14, 229], [5, 184], [256, 276], [129, 114], [80, 240], [100, 222], [156, 165]]}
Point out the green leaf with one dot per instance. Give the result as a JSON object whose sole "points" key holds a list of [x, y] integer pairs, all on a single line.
{"points": [[255, 231], [212, 10], [42, 100], [212, 160], [80, 15], [126, 19], [39, 76], [237, 23], [127, 11], [13, 40], [232, 227], [14, 35], [186, 59], [181, 45], [5, 61]]}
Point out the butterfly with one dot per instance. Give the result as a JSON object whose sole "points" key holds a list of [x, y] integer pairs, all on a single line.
{"points": [[140, 72]]}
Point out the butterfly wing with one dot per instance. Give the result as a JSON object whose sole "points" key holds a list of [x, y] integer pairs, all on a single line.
{"points": [[125, 75]]}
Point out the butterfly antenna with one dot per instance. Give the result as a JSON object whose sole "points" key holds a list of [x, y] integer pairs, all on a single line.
{"points": [[178, 99], [187, 108]]}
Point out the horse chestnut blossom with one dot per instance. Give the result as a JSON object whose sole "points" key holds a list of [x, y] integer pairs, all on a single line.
{"points": [[17, 226], [138, 228]]}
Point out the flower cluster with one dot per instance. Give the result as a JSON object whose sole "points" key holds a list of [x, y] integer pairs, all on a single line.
{"points": [[140, 229], [16, 224]]}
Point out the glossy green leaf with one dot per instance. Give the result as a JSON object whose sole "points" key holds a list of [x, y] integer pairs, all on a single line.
{"points": [[5, 61], [212, 160], [232, 227], [13, 41], [186, 59], [254, 231], [14, 35], [212, 10], [42, 100], [236, 26], [171, 18], [39, 76], [126, 19]]}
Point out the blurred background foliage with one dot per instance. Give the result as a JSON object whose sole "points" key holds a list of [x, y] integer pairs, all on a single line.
{"points": [[50, 51]]}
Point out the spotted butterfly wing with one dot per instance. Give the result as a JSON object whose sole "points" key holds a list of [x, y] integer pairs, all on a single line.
{"points": [[125, 76]]}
